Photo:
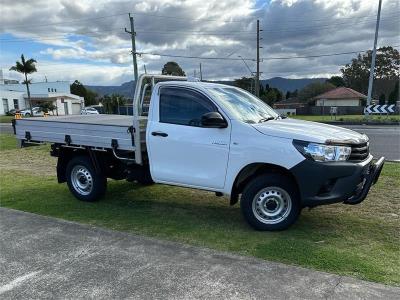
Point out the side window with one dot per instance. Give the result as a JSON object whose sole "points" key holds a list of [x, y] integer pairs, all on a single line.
{"points": [[183, 106], [16, 104]]}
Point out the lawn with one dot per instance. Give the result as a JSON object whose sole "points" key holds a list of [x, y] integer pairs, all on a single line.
{"points": [[361, 241], [6, 119], [349, 118]]}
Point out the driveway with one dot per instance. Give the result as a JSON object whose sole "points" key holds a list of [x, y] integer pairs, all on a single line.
{"points": [[42, 257]]}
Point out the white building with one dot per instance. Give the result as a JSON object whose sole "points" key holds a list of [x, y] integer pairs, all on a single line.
{"points": [[14, 96]]}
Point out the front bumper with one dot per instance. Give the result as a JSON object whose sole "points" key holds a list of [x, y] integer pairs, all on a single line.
{"points": [[331, 182]]}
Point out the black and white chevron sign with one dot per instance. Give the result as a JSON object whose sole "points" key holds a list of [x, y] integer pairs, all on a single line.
{"points": [[380, 109]]}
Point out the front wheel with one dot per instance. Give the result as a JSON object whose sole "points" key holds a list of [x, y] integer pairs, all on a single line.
{"points": [[270, 202], [83, 181]]}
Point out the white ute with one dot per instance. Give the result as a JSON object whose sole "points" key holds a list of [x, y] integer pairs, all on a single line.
{"points": [[212, 137]]}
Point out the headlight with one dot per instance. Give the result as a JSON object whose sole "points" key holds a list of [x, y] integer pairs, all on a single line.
{"points": [[322, 152]]}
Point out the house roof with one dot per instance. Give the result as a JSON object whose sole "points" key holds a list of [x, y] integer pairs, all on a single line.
{"points": [[290, 102], [341, 93]]}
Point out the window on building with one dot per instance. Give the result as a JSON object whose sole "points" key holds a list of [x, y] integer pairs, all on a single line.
{"points": [[5, 105], [52, 90], [48, 90], [16, 104], [183, 107], [55, 90]]}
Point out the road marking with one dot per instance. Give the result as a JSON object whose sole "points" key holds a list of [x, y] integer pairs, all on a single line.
{"points": [[17, 281]]}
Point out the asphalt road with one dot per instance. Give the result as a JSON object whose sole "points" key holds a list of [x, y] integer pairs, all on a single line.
{"points": [[46, 258], [384, 140]]}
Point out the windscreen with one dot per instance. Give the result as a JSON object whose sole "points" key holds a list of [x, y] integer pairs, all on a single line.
{"points": [[242, 105]]}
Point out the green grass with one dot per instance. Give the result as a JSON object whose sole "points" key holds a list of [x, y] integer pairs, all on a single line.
{"points": [[349, 118], [361, 241], [6, 119], [7, 142]]}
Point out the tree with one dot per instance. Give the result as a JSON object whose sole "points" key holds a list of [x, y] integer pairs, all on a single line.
{"points": [[77, 88], [26, 67], [111, 103], [287, 96], [356, 74], [172, 68], [246, 83], [336, 81], [382, 99], [271, 95], [46, 107], [394, 95], [314, 89]]}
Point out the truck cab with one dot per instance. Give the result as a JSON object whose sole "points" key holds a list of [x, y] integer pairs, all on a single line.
{"points": [[223, 139]]}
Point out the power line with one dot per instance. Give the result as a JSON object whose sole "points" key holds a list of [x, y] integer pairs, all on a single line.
{"points": [[68, 21], [193, 57], [186, 33], [80, 20], [308, 28], [372, 16], [252, 59], [141, 31]]}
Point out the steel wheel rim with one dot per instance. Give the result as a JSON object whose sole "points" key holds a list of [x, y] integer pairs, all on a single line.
{"points": [[82, 180], [272, 205]]}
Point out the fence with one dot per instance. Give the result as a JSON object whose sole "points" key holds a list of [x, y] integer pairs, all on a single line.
{"points": [[326, 110]]}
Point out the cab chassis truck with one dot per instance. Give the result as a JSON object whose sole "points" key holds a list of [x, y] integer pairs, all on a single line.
{"points": [[212, 137]]}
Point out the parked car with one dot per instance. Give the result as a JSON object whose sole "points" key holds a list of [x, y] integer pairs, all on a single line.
{"points": [[211, 137], [12, 112], [89, 111], [36, 112]]}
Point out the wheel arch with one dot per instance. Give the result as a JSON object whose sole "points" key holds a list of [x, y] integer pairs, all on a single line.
{"points": [[66, 154], [250, 171]]}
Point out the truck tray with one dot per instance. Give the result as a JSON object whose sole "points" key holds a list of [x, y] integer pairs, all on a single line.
{"points": [[82, 130]]}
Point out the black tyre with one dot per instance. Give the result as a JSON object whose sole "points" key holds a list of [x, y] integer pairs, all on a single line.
{"points": [[270, 202], [83, 181]]}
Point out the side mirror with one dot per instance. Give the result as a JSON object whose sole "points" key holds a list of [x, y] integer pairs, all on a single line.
{"points": [[213, 120]]}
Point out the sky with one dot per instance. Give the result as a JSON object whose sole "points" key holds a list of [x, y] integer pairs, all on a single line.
{"points": [[85, 39]]}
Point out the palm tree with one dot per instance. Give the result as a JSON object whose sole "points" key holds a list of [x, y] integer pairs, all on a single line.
{"points": [[25, 67]]}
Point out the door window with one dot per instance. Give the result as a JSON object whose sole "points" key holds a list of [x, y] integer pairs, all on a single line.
{"points": [[183, 106]]}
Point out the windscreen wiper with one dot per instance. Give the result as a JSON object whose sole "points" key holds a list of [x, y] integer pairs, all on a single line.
{"points": [[266, 119]]}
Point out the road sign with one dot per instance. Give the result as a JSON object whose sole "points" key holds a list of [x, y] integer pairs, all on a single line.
{"points": [[380, 109]]}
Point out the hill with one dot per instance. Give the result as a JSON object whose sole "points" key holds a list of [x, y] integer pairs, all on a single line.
{"points": [[284, 84]]}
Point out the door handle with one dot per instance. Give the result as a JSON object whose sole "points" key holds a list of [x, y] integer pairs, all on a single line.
{"points": [[159, 133]]}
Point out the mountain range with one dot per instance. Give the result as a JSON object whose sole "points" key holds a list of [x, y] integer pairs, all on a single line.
{"points": [[127, 89]]}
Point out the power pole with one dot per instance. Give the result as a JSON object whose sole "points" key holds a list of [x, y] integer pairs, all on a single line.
{"points": [[372, 70], [145, 71], [257, 81], [133, 35], [201, 74]]}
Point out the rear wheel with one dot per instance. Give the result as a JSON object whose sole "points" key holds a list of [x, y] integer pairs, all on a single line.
{"points": [[270, 202], [83, 181]]}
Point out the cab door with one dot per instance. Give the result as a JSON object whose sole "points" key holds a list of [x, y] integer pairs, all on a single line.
{"points": [[181, 151]]}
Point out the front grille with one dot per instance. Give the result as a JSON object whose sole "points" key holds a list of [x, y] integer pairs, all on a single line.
{"points": [[359, 152]]}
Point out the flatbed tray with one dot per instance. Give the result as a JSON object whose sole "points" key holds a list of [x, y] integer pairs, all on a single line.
{"points": [[82, 130]]}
